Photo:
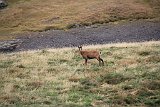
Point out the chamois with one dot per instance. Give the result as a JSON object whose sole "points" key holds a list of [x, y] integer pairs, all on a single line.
{"points": [[90, 54]]}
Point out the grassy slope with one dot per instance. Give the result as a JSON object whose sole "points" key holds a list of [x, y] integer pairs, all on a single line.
{"points": [[59, 78], [41, 15]]}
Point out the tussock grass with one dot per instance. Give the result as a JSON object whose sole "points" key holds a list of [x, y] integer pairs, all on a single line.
{"points": [[57, 77], [39, 15]]}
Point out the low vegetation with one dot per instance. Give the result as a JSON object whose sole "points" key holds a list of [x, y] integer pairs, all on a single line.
{"points": [[41, 15], [58, 77]]}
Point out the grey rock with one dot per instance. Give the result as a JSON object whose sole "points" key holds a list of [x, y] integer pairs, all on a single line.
{"points": [[10, 45], [3, 4]]}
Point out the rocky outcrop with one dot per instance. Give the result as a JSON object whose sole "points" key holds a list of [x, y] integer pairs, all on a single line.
{"points": [[10, 45], [3, 4]]}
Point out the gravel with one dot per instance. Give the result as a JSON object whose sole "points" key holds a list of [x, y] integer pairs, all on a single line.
{"points": [[135, 31]]}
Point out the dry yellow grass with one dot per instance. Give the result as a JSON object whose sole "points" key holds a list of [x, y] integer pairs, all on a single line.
{"points": [[41, 15], [57, 77]]}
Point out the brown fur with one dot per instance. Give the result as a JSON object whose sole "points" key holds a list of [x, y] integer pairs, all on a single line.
{"points": [[90, 54]]}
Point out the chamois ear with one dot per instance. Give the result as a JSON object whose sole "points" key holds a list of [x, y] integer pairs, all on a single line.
{"points": [[80, 47]]}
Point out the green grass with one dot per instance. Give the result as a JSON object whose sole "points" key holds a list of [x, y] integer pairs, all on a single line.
{"points": [[39, 15], [58, 77], [5, 64]]}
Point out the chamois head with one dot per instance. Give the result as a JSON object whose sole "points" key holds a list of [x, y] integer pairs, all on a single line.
{"points": [[80, 48]]}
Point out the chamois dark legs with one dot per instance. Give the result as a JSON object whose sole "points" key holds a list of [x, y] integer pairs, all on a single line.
{"points": [[85, 61], [100, 61]]}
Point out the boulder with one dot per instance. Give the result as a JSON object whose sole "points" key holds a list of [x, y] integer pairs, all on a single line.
{"points": [[9, 45], [3, 4]]}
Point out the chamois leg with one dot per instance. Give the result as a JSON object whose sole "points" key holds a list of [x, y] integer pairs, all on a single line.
{"points": [[85, 61], [100, 60], [99, 63]]}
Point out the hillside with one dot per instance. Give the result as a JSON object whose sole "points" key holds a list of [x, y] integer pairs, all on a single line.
{"points": [[57, 77], [37, 71], [41, 15]]}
